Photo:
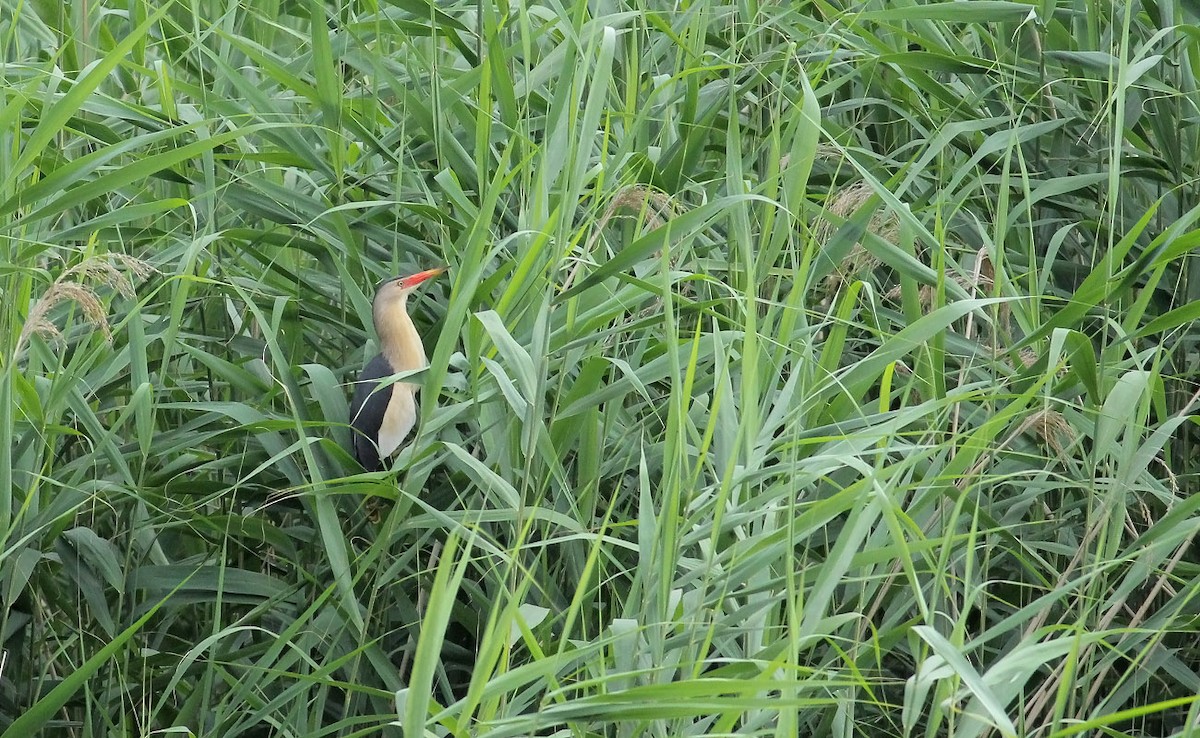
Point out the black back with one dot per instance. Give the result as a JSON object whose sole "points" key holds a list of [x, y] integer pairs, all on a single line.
{"points": [[367, 409]]}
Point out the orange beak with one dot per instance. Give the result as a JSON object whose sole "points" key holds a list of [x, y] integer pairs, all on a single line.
{"points": [[415, 279]]}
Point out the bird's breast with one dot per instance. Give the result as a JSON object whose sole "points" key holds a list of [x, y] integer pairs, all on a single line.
{"points": [[399, 418]]}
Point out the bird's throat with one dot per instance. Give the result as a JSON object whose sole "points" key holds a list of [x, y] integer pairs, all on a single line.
{"points": [[399, 341]]}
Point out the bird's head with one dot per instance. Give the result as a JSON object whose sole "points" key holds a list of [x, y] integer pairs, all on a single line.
{"points": [[392, 293]]}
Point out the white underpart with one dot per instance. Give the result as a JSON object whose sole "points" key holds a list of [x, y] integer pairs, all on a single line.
{"points": [[401, 346], [399, 418]]}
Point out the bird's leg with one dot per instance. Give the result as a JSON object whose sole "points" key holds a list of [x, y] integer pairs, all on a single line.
{"points": [[421, 597]]}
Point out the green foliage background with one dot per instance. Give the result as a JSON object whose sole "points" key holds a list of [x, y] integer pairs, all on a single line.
{"points": [[802, 368]]}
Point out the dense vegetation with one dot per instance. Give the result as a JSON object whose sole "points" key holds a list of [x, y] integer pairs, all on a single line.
{"points": [[802, 368]]}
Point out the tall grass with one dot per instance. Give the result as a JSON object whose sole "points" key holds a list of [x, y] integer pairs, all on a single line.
{"points": [[802, 368]]}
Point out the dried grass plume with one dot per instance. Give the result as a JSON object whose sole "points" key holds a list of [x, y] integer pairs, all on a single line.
{"points": [[1051, 428], [71, 287], [657, 206], [883, 223]]}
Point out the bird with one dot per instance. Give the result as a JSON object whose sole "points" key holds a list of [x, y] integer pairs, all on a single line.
{"points": [[382, 415]]}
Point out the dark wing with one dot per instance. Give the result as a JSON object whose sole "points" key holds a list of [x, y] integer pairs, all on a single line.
{"points": [[366, 411]]}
